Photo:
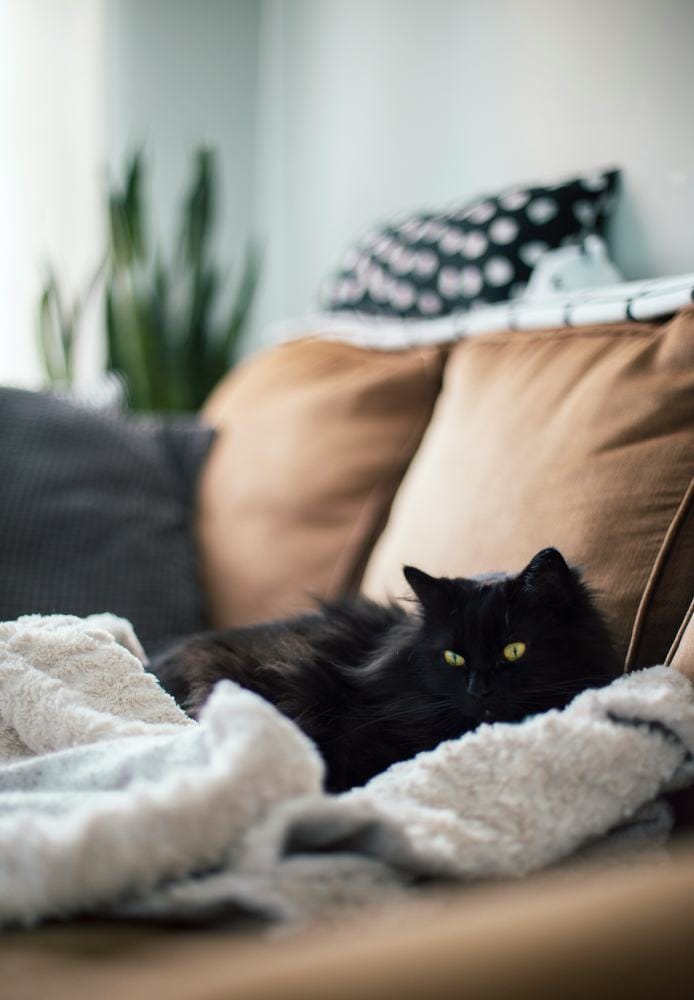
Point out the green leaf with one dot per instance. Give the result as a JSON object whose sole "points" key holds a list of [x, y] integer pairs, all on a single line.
{"points": [[198, 210], [162, 335], [57, 332]]}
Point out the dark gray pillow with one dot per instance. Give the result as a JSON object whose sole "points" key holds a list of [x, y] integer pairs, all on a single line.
{"points": [[95, 514]]}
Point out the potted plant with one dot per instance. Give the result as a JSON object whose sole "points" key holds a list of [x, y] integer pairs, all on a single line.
{"points": [[164, 339]]}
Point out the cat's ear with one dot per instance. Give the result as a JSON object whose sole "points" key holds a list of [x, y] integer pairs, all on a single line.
{"points": [[549, 578], [429, 590]]}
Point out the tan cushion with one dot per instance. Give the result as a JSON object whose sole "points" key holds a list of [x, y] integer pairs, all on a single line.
{"points": [[583, 439], [314, 438]]}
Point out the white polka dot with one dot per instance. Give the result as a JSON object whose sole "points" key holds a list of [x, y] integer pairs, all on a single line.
{"points": [[387, 287], [402, 261], [503, 230], [475, 244], [429, 303], [531, 252], [340, 294], [352, 290], [514, 200], [402, 295], [362, 266], [395, 253], [425, 263], [448, 282], [594, 182], [409, 232], [584, 212], [463, 213], [350, 259], [482, 212], [498, 271], [470, 280], [385, 247], [375, 282], [432, 230], [541, 210], [452, 241], [371, 239]]}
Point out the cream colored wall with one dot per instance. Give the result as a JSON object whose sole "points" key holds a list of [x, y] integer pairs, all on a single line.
{"points": [[181, 74], [396, 104], [51, 142], [329, 115]]}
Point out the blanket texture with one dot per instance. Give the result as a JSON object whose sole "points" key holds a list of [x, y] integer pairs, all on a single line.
{"points": [[112, 801]]}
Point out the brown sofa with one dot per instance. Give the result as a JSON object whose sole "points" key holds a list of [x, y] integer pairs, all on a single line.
{"points": [[334, 465]]}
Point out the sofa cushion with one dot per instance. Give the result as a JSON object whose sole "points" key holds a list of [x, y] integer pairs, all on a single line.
{"points": [[95, 513], [581, 439], [313, 439]]}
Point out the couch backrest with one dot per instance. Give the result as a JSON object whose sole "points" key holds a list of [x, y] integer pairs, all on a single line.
{"points": [[313, 440], [580, 438]]}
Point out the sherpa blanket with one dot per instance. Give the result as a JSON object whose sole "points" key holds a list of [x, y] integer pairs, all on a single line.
{"points": [[113, 802]]}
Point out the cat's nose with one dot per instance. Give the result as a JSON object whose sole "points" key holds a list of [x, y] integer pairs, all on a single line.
{"points": [[478, 683]]}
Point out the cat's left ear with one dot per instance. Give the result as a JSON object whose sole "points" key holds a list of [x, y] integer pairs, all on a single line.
{"points": [[549, 578], [430, 591]]}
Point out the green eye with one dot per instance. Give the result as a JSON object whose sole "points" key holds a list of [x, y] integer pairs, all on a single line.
{"points": [[453, 659], [514, 651]]}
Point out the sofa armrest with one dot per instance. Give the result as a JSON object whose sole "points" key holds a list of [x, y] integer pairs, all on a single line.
{"points": [[571, 933]]}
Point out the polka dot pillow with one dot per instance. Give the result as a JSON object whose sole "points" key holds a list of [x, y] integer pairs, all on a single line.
{"points": [[430, 264]]}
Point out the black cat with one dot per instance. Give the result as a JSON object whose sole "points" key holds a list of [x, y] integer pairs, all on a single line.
{"points": [[372, 685]]}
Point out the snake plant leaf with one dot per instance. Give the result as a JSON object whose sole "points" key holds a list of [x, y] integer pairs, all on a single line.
{"points": [[57, 332], [50, 340], [164, 338], [198, 212]]}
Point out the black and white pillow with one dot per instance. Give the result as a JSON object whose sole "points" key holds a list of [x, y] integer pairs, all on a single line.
{"points": [[431, 264]]}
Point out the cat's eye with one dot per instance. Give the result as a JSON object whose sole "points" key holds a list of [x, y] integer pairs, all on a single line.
{"points": [[514, 651], [453, 659]]}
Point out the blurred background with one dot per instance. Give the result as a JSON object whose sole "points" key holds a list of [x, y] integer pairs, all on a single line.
{"points": [[324, 117]]}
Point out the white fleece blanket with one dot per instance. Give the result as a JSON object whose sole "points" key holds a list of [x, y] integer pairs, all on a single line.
{"points": [[112, 801]]}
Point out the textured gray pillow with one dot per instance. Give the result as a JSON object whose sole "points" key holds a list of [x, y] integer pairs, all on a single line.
{"points": [[95, 514]]}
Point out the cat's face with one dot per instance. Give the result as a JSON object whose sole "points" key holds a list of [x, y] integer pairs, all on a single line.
{"points": [[503, 647]]}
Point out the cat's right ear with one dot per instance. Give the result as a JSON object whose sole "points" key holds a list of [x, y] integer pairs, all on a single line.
{"points": [[549, 579], [429, 590]]}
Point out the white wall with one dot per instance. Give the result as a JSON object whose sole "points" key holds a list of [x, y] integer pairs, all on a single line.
{"points": [[51, 137], [329, 115], [397, 104], [181, 74]]}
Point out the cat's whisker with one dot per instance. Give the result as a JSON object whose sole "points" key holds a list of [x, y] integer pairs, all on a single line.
{"points": [[404, 714], [573, 686]]}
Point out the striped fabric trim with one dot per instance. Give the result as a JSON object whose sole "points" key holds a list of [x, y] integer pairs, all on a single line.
{"points": [[629, 300]]}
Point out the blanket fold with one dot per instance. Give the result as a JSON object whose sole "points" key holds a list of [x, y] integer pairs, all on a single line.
{"points": [[113, 801]]}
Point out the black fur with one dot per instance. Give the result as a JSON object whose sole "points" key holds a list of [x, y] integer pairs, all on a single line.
{"points": [[369, 684]]}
